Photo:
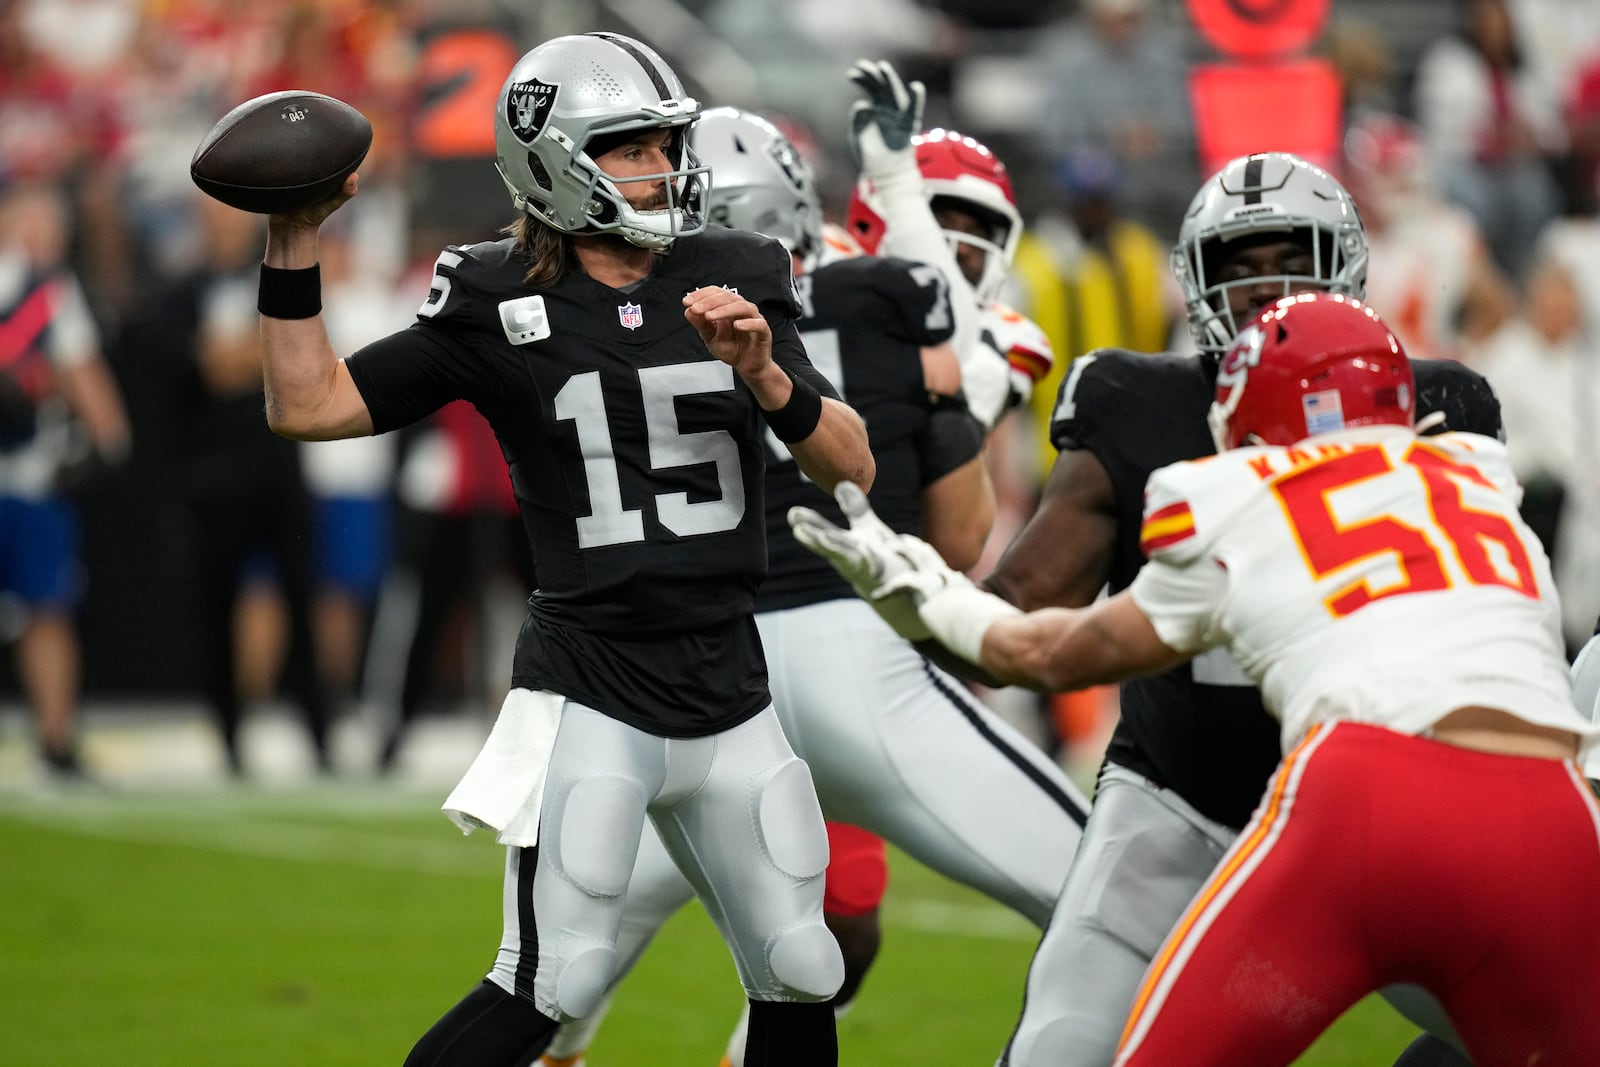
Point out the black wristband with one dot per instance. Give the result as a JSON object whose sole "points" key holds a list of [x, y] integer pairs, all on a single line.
{"points": [[290, 294], [797, 418]]}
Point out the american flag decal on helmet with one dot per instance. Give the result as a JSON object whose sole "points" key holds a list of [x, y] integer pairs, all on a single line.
{"points": [[1324, 411], [1166, 526]]}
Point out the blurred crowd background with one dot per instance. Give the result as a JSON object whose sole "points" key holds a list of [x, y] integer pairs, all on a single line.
{"points": [[217, 563]]}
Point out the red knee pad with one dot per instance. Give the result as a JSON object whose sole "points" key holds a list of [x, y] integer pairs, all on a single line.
{"points": [[858, 871]]}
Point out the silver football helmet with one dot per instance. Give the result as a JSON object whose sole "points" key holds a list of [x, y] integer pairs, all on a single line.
{"points": [[759, 180], [1265, 193], [570, 90]]}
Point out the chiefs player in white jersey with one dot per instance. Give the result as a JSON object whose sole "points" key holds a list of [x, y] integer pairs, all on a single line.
{"points": [[970, 192], [1428, 822]]}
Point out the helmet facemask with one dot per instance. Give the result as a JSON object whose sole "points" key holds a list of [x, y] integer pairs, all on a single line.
{"points": [[999, 246], [1271, 196], [961, 172]]}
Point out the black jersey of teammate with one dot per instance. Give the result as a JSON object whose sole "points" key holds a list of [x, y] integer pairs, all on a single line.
{"points": [[865, 321], [1199, 729], [636, 458]]}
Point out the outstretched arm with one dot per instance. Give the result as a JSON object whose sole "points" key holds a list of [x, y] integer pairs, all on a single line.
{"points": [[1058, 649], [918, 594], [882, 124]]}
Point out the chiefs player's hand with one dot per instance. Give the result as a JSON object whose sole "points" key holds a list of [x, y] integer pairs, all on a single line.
{"points": [[882, 125], [732, 328], [950, 609], [866, 555]]}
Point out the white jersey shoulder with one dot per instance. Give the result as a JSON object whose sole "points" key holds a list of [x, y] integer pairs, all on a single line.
{"points": [[1020, 342], [1369, 575]]}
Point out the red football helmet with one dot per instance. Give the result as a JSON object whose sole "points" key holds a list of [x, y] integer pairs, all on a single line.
{"points": [[963, 172], [1311, 363]]}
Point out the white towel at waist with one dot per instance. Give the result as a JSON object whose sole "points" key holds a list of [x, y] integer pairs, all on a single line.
{"points": [[503, 788]]}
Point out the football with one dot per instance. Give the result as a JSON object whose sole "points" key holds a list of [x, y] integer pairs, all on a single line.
{"points": [[281, 151]]}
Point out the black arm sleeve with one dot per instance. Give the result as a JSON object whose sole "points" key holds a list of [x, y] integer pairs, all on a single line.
{"points": [[952, 438]]}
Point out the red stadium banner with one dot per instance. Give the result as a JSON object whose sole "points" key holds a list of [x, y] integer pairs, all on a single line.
{"points": [[1292, 106]]}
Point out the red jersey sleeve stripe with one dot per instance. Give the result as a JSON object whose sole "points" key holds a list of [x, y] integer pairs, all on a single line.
{"points": [[1034, 364], [1166, 526]]}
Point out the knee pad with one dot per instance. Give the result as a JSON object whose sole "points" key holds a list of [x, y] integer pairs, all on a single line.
{"points": [[806, 962], [601, 819], [582, 981], [790, 820]]}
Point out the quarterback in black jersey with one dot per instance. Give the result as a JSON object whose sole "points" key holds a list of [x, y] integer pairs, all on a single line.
{"points": [[630, 365], [896, 746], [1194, 748]]}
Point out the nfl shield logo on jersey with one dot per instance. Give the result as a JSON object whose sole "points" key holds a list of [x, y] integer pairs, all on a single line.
{"points": [[631, 315]]}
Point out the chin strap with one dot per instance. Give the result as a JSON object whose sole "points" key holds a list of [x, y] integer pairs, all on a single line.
{"points": [[1432, 421]]}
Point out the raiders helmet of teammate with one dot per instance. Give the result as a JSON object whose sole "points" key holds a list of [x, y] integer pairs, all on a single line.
{"points": [[1311, 363], [758, 181], [572, 99], [962, 172], [1261, 197]]}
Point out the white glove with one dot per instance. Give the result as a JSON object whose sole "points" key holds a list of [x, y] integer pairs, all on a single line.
{"points": [[867, 555], [882, 125], [953, 610], [986, 383]]}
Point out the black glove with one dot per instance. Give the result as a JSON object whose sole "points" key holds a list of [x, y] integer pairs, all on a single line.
{"points": [[882, 125]]}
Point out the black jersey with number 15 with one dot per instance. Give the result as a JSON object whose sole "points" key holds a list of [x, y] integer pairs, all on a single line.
{"points": [[1199, 729], [636, 458]]}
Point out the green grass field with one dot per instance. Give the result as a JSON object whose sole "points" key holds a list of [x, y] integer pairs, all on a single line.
{"points": [[330, 925]]}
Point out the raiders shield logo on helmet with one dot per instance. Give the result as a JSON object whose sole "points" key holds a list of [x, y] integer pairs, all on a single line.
{"points": [[788, 163], [528, 108]]}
